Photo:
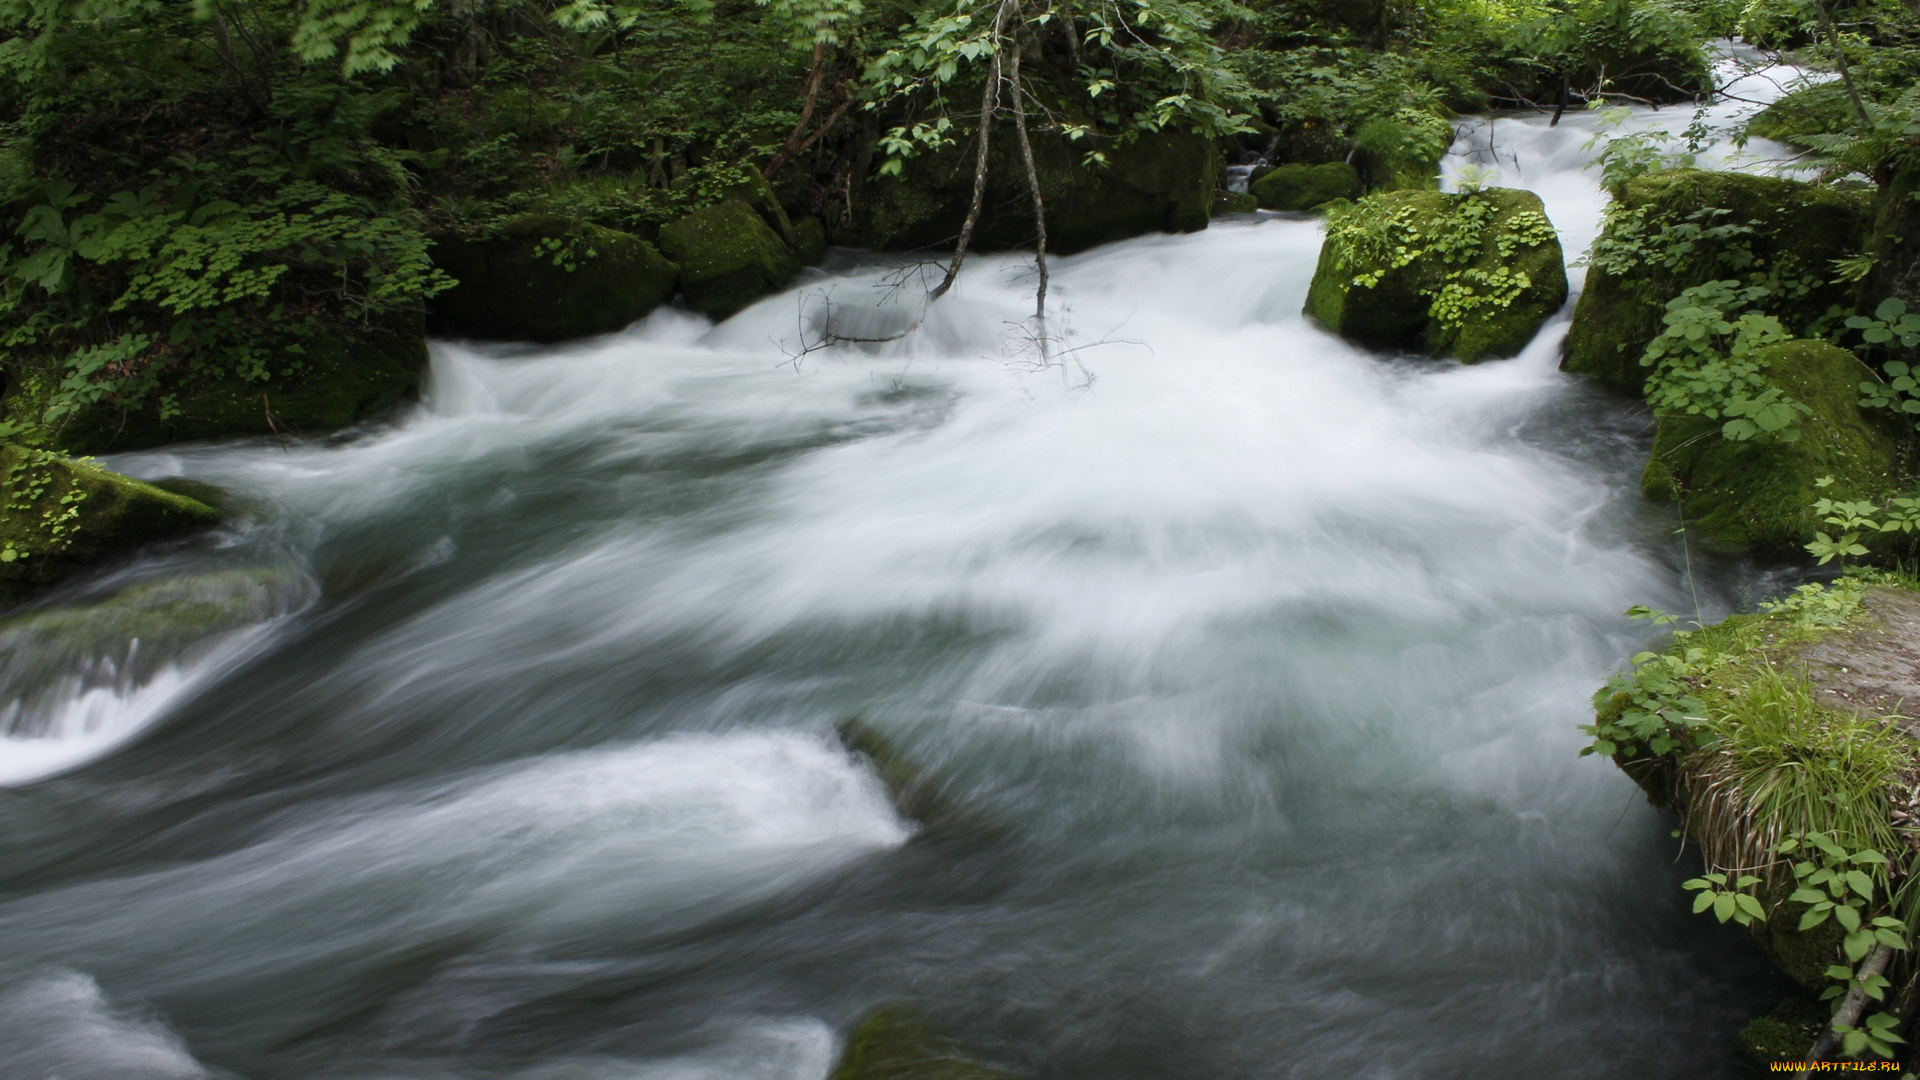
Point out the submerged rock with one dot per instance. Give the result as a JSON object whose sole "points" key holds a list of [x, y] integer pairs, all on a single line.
{"points": [[1471, 275], [545, 278], [913, 795], [1671, 231], [1304, 187], [896, 1043], [165, 617], [1748, 496], [61, 515]]}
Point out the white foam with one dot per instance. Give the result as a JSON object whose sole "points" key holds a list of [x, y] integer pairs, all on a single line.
{"points": [[60, 1026], [640, 838]]}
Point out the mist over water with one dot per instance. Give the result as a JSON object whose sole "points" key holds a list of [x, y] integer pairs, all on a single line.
{"points": [[1252, 663]]}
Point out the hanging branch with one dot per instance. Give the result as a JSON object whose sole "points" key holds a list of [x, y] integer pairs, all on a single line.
{"points": [[989, 105], [1033, 185]]}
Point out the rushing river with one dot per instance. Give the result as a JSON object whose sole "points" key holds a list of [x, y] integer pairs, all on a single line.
{"points": [[1248, 663]]}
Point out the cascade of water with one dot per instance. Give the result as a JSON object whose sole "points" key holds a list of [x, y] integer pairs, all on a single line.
{"points": [[1254, 659]]}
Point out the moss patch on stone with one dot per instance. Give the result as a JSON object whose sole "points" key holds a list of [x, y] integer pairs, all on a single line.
{"points": [[1820, 109], [1785, 1033], [1758, 496], [1304, 187], [896, 1043], [544, 278], [1155, 183], [317, 383], [810, 240], [1400, 271], [165, 617], [729, 257], [1794, 232], [60, 515]]}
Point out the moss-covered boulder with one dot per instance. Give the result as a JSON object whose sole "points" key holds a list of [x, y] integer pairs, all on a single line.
{"points": [[1785, 1033], [1304, 187], [729, 257], [896, 1043], [1234, 202], [810, 240], [1155, 183], [546, 278], [1670, 231], [61, 514], [1758, 496], [313, 379], [1468, 275], [1820, 109]]}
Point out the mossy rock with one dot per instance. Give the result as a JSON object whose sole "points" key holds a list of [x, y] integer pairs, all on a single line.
{"points": [[166, 617], [1161, 182], [1234, 202], [1396, 312], [61, 515], [1799, 229], [810, 240], [1303, 187], [729, 257], [1785, 1033], [896, 1043], [1820, 109], [320, 381], [1758, 496], [545, 278]]}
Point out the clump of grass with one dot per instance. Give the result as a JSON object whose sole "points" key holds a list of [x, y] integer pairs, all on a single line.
{"points": [[1774, 761]]}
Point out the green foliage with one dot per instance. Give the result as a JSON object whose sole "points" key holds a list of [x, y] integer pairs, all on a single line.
{"points": [[1855, 518], [1705, 364], [1148, 66], [1652, 708], [1729, 898], [1891, 322], [1848, 883], [1658, 705], [1377, 239]]}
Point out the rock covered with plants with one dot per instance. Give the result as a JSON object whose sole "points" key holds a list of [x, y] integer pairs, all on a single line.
{"points": [[1471, 275], [61, 514], [1775, 241]]}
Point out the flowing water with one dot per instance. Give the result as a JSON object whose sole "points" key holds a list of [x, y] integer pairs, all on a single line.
{"points": [[1248, 665]]}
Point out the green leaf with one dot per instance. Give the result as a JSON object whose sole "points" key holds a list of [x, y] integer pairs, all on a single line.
{"points": [[1857, 945]]}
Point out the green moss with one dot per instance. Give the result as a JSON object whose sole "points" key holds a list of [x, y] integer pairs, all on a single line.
{"points": [[1798, 230], [543, 278], [1393, 295], [810, 235], [319, 382], [1234, 202], [164, 616], [729, 257], [895, 1043], [1303, 187], [1785, 1033], [1754, 496], [1155, 183], [1820, 109], [60, 515]]}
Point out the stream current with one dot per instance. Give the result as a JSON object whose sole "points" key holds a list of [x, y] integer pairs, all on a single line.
{"points": [[1249, 662]]}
